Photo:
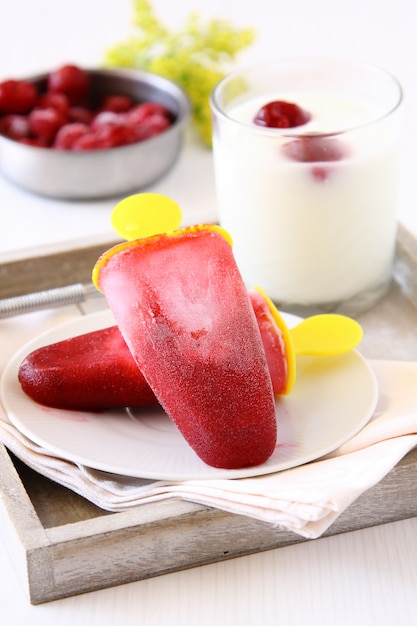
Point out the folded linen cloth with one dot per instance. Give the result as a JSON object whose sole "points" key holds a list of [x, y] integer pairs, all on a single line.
{"points": [[305, 499]]}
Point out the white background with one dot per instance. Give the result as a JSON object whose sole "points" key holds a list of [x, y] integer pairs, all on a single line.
{"points": [[37, 35]]}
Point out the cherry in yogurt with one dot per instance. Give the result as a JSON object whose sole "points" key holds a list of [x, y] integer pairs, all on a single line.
{"points": [[281, 114], [318, 150], [312, 149]]}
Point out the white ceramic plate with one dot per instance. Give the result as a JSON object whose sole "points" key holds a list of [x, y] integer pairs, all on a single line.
{"points": [[333, 398]]}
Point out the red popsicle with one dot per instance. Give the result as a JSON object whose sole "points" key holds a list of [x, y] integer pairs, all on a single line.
{"points": [[184, 312], [92, 371], [96, 370]]}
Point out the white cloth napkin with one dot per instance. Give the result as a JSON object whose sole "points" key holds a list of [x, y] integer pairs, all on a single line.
{"points": [[305, 499]]}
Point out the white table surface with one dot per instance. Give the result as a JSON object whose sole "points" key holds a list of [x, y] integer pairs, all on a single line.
{"points": [[365, 577]]}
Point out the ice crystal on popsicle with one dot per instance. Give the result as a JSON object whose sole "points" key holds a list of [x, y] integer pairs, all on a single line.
{"points": [[185, 314]]}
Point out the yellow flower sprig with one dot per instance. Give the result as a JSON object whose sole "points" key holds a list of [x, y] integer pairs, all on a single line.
{"points": [[196, 57]]}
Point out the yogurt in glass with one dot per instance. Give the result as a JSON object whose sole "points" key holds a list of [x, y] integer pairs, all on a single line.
{"points": [[311, 208]]}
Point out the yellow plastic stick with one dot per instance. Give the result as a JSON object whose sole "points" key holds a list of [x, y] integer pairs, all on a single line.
{"points": [[320, 335]]}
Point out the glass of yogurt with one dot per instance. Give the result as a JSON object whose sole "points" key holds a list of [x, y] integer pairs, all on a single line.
{"points": [[306, 156]]}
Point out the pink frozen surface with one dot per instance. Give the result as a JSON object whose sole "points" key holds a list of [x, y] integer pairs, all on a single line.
{"points": [[182, 308]]}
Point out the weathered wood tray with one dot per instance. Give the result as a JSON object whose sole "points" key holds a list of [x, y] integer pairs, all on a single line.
{"points": [[63, 545]]}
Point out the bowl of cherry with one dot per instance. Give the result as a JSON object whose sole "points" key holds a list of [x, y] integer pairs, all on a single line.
{"points": [[79, 134]]}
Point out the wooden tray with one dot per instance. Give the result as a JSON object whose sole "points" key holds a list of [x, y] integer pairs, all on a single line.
{"points": [[63, 545]]}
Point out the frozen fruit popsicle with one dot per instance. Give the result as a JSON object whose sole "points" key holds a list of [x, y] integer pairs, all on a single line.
{"points": [[275, 339], [184, 312], [92, 371], [320, 335], [96, 370]]}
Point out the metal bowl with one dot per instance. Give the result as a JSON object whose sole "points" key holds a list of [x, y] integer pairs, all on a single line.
{"points": [[102, 173]]}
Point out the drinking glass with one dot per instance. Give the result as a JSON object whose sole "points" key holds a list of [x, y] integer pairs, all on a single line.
{"points": [[311, 207]]}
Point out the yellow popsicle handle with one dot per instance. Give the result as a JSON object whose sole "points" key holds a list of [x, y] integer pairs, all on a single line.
{"points": [[319, 335], [145, 214], [326, 335]]}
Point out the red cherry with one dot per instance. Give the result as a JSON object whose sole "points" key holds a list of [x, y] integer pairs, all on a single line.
{"points": [[80, 114], [281, 114], [17, 96], [50, 100], [107, 117], [70, 80], [152, 126], [69, 134], [117, 104], [142, 111], [311, 149], [59, 118], [45, 123], [113, 135], [86, 142], [113, 129], [15, 126]]}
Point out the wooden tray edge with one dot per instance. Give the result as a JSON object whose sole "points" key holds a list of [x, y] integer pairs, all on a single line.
{"points": [[125, 547]]}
